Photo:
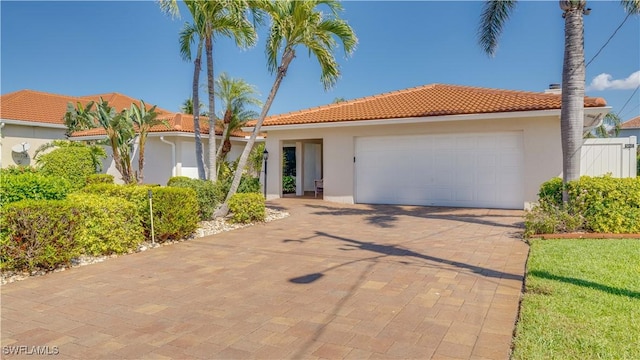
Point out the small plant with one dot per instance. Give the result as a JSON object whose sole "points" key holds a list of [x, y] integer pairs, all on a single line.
{"points": [[39, 234], [32, 185], [248, 207], [288, 184]]}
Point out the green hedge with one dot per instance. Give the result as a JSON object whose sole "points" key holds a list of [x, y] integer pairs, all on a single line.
{"points": [[73, 163], [246, 208], [175, 210], [596, 204], [30, 185], [100, 179], [110, 225], [17, 170], [208, 194], [39, 234]]}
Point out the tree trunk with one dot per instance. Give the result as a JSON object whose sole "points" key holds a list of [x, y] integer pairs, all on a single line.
{"points": [[287, 57], [572, 110], [196, 114], [213, 170], [225, 131], [142, 140]]}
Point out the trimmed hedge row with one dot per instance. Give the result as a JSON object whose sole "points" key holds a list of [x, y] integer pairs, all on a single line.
{"points": [[175, 210], [16, 186], [596, 204], [208, 194]]}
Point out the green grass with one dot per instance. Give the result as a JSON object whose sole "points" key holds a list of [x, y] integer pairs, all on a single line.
{"points": [[582, 301]]}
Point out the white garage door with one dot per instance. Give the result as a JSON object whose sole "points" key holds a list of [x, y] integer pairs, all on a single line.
{"points": [[462, 170]]}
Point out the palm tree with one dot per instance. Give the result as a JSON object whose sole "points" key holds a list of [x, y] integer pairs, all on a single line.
{"points": [[221, 17], [298, 23], [144, 120], [494, 16], [611, 126], [187, 107], [189, 34], [235, 95]]}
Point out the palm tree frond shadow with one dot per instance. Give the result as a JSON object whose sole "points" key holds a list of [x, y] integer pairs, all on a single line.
{"points": [[586, 283], [384, 215], [393, 250]]}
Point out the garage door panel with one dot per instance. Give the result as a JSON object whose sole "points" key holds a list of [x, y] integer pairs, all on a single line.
{"points": [[474, 170]]}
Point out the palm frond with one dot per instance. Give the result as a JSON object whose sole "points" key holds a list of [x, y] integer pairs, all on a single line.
{"points": [[494, 15], [631, 6]]}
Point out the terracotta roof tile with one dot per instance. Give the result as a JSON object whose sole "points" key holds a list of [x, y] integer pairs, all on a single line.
{"points": [[428, 100], [631, 124], [42, 107]]}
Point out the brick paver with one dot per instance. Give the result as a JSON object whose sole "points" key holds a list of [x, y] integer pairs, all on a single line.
{"points": [[330, 281]]}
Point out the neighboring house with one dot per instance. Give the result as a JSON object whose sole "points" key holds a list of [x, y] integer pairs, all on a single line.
{"points": [[631, 128], [441, 145], [36, 118]]}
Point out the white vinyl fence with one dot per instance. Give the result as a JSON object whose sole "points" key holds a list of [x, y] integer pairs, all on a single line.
{"points": [[615, 156]]}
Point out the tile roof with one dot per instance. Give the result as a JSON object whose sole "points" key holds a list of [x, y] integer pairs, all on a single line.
{"points": [[42, 107], [427, 100], [631, 124]]}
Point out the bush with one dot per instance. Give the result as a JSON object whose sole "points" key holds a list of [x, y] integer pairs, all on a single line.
{"points": [[17, 170], [39, 234], [73, 163], [249, 184], [246, 208], [288, 184], [100, 179], [208, 194], [110, 225], [597, 204], [175, 210], [34, 186]]}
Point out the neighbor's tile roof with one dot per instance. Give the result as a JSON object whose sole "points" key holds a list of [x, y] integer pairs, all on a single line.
{"points": [[632, 124], [428, 100], [42, 107]]}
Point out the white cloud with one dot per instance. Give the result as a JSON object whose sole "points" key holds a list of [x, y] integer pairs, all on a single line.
{"points": [[604, 82]]}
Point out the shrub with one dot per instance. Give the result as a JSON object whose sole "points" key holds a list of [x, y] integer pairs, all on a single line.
{"points": [[249, 184], [246, 208], [39, 234], [110, 225], [208, 194], [34, 186], [608, 204], [550, 218], [175, 210], [598, 204], [73, 163], [100, 179], [288, 184], [17, 170]]}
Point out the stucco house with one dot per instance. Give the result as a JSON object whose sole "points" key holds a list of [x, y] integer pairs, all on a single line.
{"points": [[631, 128], [35, 118], [443, 145]]}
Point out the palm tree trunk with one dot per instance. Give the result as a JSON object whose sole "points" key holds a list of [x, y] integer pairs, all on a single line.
{"points": [[142, 142], [572, 110], [225, 131], [196, 113], [213, 173], [287, 57]]}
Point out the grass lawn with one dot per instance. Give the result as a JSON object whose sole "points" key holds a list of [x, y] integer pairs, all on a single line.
{"points": [[582, 301]]}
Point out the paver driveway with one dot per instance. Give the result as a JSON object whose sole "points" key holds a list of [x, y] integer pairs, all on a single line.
{"points": [[330, 281]]}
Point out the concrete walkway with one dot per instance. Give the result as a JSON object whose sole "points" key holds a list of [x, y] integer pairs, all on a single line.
{"points": [[330, 281]]}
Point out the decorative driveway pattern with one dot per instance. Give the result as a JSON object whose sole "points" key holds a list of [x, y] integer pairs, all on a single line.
{"points": [[330, 281]]}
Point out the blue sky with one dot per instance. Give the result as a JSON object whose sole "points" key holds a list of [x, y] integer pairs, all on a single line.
{"points": [[83, 48]]}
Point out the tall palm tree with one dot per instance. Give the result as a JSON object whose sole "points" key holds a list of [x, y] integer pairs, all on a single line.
{"points": [[221, 17], [144, 120], [494, 16], [298, 24], [189, 34], [235, 95]]}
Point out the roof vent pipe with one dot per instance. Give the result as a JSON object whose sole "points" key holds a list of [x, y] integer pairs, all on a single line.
{"points": [[554, 88]]}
